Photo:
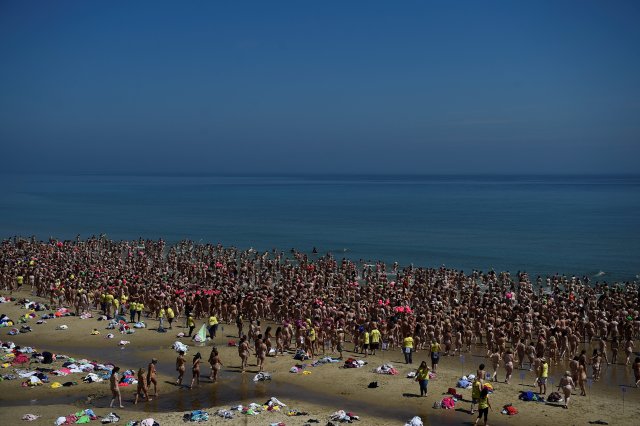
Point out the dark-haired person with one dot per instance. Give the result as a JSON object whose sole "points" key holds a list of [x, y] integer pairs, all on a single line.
{"points": [[115, 390], [483, 406]]}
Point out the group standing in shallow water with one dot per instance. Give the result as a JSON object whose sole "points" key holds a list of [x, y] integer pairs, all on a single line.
{"points": [[319, 303]]}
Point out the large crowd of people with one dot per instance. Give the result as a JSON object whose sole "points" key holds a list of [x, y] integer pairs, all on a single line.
{"points": [[318, 303]]}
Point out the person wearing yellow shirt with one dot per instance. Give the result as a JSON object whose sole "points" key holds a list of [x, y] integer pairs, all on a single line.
{"points": [[543, 374], [422, 377], [132, 311], [407, 349], [374, 338], [435, 354], [365, 342], [476, 388], [191, 324], [139, 309], [109, 303], [483, 405], [213, 325], [116, 307], [161, 315], [170, 315]]}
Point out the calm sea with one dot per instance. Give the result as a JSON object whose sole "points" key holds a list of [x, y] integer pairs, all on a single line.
{"points": [[583, 225]]}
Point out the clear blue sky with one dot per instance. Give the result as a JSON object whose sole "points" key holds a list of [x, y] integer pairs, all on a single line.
{"points": [[288, 87]]}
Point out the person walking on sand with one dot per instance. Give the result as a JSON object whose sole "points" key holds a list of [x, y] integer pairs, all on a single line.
{"points": [[422, 377], [115, 390], [151, 376], [195, 370], [142, 388], [214, 360], [483, 406], [567, 385], [180, 367]]}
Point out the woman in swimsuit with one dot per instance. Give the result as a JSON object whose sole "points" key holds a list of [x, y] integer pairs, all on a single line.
{"points": [[142, 387], [180, 367], [567, 385], [151, 376], [195, 370], [214, 360]]}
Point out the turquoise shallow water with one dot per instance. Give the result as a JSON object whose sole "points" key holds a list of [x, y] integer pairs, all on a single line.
{"points": [[579, 225]]}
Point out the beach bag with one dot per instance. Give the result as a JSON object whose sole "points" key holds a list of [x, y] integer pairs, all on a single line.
{"points": [[448, 403], [527, 396], [555, 397]]}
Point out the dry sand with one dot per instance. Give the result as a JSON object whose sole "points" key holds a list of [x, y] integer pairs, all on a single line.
{"points": [[328, 388]]}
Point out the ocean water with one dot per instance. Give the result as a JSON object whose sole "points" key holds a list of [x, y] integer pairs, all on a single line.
{"points": [[582, 225]]}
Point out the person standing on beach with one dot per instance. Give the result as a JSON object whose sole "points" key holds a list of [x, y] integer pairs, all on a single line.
{"points": [[366, 337], [115, 390], [191, 324], [213, 326], [180, 367], [422, 377], [374, 338], [407, 349], [476, 389], [170, 316], [543, 373], [151, 376], [435, 354]]}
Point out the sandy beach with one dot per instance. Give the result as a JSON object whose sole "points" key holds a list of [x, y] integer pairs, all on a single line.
{"points": [[324, 390]]}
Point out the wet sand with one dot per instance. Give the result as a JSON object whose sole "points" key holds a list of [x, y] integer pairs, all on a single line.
{"points": [[328, 388]]}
